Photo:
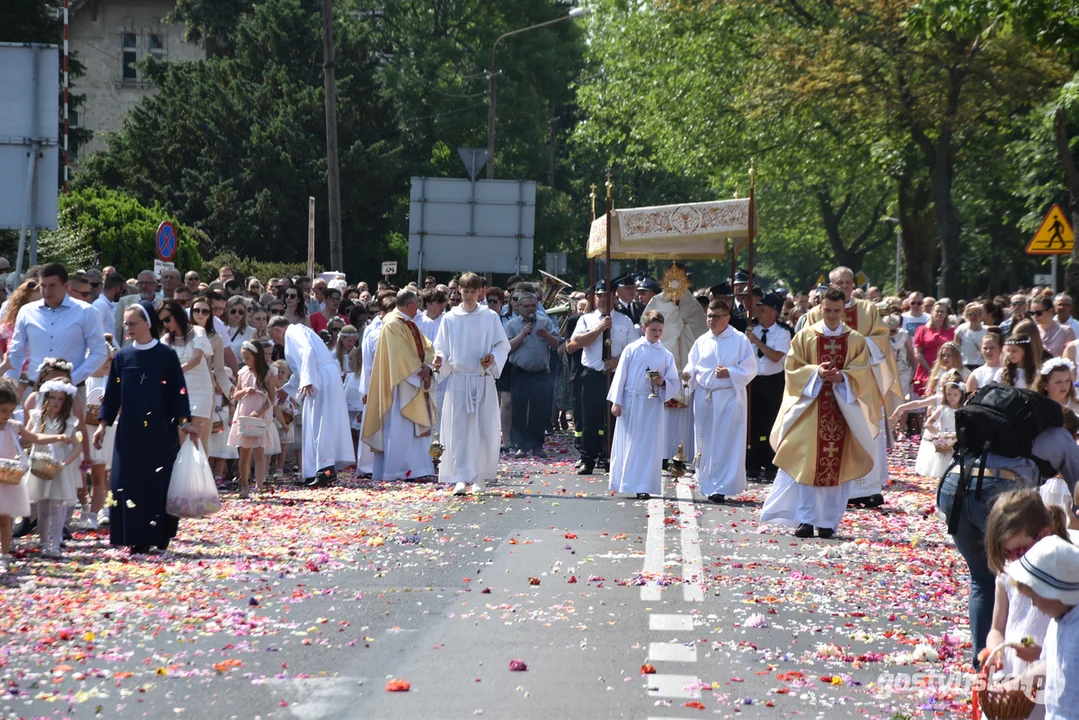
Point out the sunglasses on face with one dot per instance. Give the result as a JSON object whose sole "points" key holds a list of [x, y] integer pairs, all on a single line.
{"points": [[200, 311], [291, 296], [1039, 313], [917, 302], [237, 311], [94, 285], [166, 318]]}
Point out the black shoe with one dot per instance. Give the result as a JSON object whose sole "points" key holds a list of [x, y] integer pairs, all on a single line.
{"points": [[66, 537], [302, 481], [140, 549], [587, 467], [717, 498], [24, 527], [874, 501], [644, 496], [665, 465], [325, 477], [825, 533], [805, 530]]}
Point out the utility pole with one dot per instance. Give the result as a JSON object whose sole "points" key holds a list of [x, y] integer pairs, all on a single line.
{"points": [[333, 167]]}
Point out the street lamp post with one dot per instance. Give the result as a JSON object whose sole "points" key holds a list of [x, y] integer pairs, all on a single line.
{"points": [[571, 15]]}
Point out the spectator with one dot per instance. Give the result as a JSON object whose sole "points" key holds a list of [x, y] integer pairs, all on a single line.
{"points": [[183, 296], [196, 353], [903, 348], [295, 310], [79, 287], [25, 294], [96, 280], [107, 301], [993, 353], [928, 340], [224, 274], [1020, 366], [916, 316], [191, 280], [495, 299], [1054, 336], [331, 301], [146, 285], [254, 288], [429, 281], [1019, 307], [238, 331], [170, 280], [531, 340], [1063, 307], [969, 337]]}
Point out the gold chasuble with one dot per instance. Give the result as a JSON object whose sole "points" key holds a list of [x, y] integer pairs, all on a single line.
{"points": [[402, 351], [864, 318], [824, 441]]}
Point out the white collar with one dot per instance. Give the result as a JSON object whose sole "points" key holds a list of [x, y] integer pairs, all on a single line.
{"points": [[722, 334], [849, 304], [828, 332], [460, 310], [147, 346]]}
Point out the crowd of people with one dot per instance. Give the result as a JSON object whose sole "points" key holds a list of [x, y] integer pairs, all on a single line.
{"points": [[106, 378]]}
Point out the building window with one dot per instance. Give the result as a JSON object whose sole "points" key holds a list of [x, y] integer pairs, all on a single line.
{"points": [[129, 56], [155, 45]]}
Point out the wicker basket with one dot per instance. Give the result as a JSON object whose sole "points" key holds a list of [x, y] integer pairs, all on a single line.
{"points": [[249, 426], [11, 471], [44, 466], [219, 420], [91, 414], [998, 703]]}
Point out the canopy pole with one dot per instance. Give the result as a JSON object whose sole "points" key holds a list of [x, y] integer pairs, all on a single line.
{"points": [[607, 287], [751, 301], [590, 291]]}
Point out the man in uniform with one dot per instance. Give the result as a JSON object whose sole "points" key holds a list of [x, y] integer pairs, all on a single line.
{"points": [[771, 340], [648, 288], [597, 358], [626, 291]]}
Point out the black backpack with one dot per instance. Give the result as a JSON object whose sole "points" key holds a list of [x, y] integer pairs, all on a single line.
{"points": [[1003, 420]]}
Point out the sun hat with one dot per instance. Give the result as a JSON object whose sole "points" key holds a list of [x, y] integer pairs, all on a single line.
{"points": [[1050, 569]]}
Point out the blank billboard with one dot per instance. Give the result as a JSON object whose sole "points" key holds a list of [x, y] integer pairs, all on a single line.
{"points": [[486, 226]]}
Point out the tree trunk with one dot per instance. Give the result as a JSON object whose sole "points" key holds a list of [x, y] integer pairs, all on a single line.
{"points": [[1071, 172], [947, 219], [919, 232]]}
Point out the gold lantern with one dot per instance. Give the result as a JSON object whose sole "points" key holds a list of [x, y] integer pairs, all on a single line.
{"points": [[677, 464], [435, 450]]}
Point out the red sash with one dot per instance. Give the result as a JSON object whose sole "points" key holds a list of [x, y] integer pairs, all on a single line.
{"points": [[850, 317], [831, 425], [416, 338]]}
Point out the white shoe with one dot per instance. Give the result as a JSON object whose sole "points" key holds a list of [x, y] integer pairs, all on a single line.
{"points": [[103, 517], [89, 523], [460, 488], [5, 563], [478, 487]]}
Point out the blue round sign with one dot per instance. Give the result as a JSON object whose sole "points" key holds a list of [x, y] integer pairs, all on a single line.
{"points": [[166, 241]]}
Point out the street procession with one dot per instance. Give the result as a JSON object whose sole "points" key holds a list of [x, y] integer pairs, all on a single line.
{"points": [[736, 375]]}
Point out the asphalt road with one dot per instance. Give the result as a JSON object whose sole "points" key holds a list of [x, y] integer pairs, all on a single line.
{"points": [[308, 603]]}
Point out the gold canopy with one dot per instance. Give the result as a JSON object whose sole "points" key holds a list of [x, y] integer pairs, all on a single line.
{"points": [[691, 231]]}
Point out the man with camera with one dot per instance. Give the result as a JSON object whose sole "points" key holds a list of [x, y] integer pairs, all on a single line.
{"points": [[532, 338]]}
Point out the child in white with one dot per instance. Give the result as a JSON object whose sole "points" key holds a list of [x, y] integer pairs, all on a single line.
{"points": [[55, 496], [14, 498], [1048, 574], [646, 377], [938, 436], [94, 513]]}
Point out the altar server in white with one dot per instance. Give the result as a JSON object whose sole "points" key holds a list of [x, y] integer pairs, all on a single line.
{"points": [[470, 351], [316, 382], [647, 377], [721, 364]]}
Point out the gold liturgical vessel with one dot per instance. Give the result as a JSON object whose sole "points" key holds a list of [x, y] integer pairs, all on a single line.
{"points": [[677, 466], [435, 451]]}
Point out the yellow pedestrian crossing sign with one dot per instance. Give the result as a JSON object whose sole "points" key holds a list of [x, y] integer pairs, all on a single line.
{"points": [[1054, 237]]}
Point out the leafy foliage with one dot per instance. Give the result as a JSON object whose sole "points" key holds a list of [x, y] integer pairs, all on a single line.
{"points": [[247, 267]]}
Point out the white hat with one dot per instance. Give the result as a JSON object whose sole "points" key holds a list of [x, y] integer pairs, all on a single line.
{"points": [[1050, 569]]}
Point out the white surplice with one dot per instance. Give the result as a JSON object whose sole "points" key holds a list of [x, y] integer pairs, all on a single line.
{"points": [[365, 463], [429, 327], [471, 425], [790, 502], [404, 455], [327, 442], [719, 409], [873, 482], [637, 446]]}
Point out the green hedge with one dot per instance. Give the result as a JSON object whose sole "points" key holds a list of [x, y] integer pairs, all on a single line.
{"points": [[246, 267]]}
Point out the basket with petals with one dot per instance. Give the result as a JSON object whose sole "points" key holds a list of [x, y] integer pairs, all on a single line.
{"points": [[44, 465], [91, 413], [997, 702], [944, 442], [11, 471]]}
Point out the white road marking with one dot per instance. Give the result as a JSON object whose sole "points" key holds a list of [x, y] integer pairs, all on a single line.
{"points": [[672, 652], [692, 587], [673, 623], [653, 551], [674, 686]]}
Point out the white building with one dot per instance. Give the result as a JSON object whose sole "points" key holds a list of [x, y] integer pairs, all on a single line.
{"points": [[110, 37]]}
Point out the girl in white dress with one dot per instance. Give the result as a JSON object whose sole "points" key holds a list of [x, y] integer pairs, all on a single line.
{"points": [[938, 437], [14, 499], [252, 394], [1017, 521], [195, 353], [1055, 381], [350, 357], [55, 496], [94, 514], [993, 352]]}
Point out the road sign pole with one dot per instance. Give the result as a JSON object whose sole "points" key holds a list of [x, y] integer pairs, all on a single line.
{"points": [[1054, 271]]}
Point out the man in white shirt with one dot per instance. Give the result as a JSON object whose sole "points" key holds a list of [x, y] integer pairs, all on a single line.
{"points": [[771, 341], [57, 326], [916, 316], [597, 359], [1063, 307], [969, 337], [106, 303]]}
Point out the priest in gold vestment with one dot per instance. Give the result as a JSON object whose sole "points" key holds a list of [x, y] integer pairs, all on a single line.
{"points": [[400, 410], [825, 433], [863, 317]]}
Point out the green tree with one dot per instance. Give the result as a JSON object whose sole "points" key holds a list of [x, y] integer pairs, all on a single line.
{"points": [[235, 145], [105, 227]]}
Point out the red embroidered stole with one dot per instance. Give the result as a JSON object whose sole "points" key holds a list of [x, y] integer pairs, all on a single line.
{"points": [[850, 317], [831, 425], [416, 339]]}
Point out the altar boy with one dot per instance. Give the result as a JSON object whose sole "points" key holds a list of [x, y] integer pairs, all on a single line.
{"points": [[646, 377]]}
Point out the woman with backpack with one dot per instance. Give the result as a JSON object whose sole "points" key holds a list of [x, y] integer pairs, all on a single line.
{"points": [[1030, 445]]}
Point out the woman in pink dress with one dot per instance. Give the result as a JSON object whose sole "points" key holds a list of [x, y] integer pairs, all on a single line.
{"points": [[927, 342], [254, 388]]}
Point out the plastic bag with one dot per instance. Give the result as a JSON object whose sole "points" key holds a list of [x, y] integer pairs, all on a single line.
{"points": [[1055, 492], [192, 491]]}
